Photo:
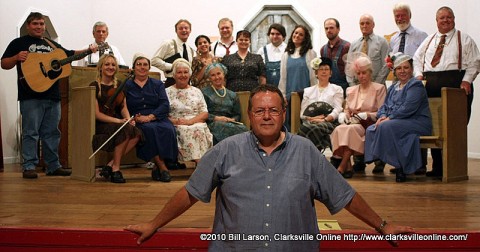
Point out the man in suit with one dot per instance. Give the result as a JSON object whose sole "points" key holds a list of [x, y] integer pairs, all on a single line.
{"points": [[437, 61], [40, 111]]}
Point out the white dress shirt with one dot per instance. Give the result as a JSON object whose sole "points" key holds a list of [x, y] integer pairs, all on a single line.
{"points": [[449, 60], [274, 53]]}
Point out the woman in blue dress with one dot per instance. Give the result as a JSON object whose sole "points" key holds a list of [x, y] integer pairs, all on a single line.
{"points": [[223, 105], [295, 73], [148, 101], [404, 116]]}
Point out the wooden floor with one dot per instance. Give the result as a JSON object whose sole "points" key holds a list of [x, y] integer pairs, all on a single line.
{"points": [[61, 202]]}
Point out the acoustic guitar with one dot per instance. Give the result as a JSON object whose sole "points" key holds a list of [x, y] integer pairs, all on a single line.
{"points": [[42, 70]]}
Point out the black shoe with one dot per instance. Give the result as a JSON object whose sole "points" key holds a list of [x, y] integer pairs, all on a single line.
{"points": [[176, 166], [160, 175], [359, 167], [421, 171], [335, 162], [379, 166], [60, 172], [393, 170], [359, 163], [117, 177], [434, 174], [165, 176], [347, 174], [400, 177], [30, 174], [106, 172]]}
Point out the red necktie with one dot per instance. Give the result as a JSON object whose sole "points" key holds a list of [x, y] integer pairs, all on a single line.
{"points": [[439, 51], [227, 49]]}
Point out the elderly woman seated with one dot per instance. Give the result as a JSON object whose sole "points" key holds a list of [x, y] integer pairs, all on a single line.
{"points": [[147, 100], [223, 105], [404, 116], [362, 104], [188, 112], [321, 105]]}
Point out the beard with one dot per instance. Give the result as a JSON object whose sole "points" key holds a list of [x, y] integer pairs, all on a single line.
{"points": [[403, 26], [332, 36]]}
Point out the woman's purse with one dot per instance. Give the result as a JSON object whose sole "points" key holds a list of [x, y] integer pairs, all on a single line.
{"points": [[364, 122]]}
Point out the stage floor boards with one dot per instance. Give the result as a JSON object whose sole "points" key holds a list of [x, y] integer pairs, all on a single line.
{"points": [[61, 202]]}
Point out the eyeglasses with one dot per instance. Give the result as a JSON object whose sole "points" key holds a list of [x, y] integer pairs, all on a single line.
{"points": [[141, 64], [324, 69], [272, 112]]}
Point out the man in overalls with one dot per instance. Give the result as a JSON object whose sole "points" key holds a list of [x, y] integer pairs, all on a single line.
{"points": [[272, 52]]}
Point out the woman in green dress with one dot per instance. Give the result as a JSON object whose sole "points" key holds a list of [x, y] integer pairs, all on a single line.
{"points": [[223, 105]]}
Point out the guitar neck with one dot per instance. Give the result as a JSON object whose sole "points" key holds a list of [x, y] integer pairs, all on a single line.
{"points": [[69, 60]]}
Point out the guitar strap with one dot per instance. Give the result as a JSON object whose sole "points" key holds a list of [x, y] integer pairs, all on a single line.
{"points": [[50, 43]]}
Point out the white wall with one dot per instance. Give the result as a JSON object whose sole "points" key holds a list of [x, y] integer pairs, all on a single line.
{"points": [[140, 26]]}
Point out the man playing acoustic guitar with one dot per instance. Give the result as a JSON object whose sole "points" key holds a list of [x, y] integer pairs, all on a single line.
{"points": [[40, 109]]}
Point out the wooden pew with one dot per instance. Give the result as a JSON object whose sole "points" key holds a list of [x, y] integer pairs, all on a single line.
{"points": [[295, 122], [449, 120]]}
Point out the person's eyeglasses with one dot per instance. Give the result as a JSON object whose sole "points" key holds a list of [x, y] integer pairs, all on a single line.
{"points": [[141, 64], [324, 69], [272, 112]]}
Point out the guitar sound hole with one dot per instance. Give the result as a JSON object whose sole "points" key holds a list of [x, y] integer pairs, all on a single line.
{"points": [[56, 65]]}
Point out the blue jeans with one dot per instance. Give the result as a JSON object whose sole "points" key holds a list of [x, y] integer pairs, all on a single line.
{"points": [[40, 120]]}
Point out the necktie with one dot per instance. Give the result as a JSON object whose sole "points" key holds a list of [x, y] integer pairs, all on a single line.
{"points": [[365, 45], [401, 48], [185, 53], [439, 51], [227, 49]]}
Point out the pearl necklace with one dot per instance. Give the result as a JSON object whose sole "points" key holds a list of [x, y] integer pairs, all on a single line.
{"points": [[224, 92]]}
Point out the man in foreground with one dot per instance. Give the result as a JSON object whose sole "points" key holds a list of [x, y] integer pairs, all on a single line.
{"points": [[266, 181]]}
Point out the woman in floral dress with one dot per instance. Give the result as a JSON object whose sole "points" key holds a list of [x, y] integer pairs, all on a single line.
{"points": [[188, 112]]}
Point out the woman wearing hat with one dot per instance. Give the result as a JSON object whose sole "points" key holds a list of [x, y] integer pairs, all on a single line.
{"points": [[404, 116], [147, 100], [321, 105], [223, 105], [188, 112]]}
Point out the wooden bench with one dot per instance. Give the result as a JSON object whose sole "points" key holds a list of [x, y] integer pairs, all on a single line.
{"points": [[449, 120]]}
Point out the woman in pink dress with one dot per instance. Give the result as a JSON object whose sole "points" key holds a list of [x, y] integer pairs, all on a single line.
{"points": [[362, 101]]}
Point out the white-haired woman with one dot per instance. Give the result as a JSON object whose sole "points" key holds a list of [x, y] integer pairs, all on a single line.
{"points": [[403, 117], [188, 112], [362, 101]]}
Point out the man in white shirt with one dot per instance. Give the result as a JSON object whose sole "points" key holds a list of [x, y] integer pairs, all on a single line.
{"points": [[272, 52], [226, 45], [173, 49], [437, 61], [100, 33]]}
